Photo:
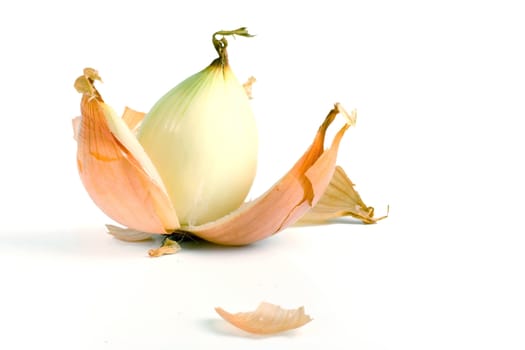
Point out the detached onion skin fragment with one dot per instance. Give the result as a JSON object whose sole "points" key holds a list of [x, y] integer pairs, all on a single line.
{"points": [[267, 319]]}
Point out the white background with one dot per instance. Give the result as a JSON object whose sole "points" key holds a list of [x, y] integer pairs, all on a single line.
{"points": [[439, 88]]}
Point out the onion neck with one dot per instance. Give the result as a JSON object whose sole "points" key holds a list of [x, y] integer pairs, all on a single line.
{"points": [[221, 44]]}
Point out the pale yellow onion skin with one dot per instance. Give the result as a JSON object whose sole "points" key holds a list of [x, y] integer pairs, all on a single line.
{"points": [[202, 137]]}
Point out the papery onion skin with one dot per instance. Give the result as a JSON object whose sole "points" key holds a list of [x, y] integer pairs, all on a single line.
{"points": [[267, 319], [340, 199], [113, 168]]}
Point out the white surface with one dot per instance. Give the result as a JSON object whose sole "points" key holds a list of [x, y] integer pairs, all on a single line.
{"points": [[439, 90]]}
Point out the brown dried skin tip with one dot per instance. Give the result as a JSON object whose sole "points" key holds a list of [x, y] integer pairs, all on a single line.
{"points": [[248, 86], [266, 319], [168, 247], [84, 83]]}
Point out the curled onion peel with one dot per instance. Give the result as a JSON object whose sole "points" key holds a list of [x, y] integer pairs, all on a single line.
{"points": [[115, 170], [340, 199], [266, 319]]}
